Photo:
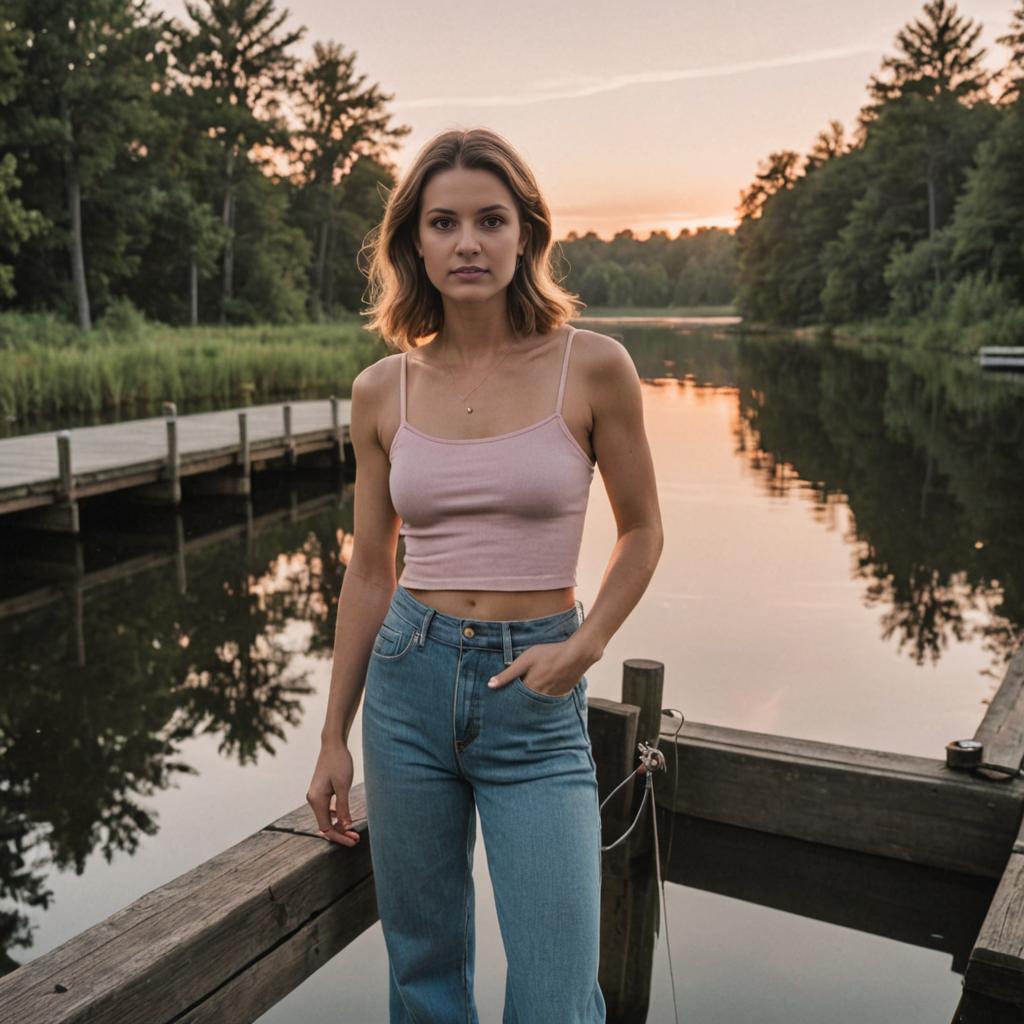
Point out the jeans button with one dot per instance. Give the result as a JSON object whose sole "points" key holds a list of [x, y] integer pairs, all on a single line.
{"points": [[468, 631]]}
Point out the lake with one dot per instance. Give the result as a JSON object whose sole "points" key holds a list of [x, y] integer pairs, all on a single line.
{"points": [[843, 561]]}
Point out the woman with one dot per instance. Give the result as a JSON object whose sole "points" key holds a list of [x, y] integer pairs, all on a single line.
{"points": [[479, 447]]}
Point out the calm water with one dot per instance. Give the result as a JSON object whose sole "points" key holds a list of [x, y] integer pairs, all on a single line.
{"points": [[843, 562]]}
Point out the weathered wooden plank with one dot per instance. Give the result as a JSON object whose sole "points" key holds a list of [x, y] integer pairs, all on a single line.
{"points": [[252, 993], [996, 967], [894, 805], [1002, 729], [279, 902], [974, 1008]]}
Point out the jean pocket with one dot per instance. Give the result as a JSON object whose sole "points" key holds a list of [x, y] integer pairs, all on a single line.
{"points": [[544, 698], [393, 641]]}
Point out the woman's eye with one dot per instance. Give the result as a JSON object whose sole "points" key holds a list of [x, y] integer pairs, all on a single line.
{"points": [[437, 220]]}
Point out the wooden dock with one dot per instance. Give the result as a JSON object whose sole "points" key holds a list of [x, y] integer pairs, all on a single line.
{"points": [[1001, 357], [42, 476], [891, 844]]}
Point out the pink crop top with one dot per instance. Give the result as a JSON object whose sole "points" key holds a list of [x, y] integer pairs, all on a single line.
{"points": [[491, 513]]}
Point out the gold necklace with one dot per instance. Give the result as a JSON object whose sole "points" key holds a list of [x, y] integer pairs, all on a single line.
{"points": [[462, 398]]}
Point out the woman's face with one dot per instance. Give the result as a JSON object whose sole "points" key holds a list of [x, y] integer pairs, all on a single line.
{"points": [[469, 217]]}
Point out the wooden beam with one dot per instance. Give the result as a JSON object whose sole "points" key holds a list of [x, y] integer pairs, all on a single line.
{"points": [[220, 943], [894, 805], [996, 967], [1002, 729]]}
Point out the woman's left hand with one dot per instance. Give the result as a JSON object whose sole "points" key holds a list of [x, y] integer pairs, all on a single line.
{"points": [[553, 668]]}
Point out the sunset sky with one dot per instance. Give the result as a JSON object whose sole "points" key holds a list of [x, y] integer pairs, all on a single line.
{"points": [[646, 117]]}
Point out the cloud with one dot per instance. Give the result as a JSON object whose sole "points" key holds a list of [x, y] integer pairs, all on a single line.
{"points": [[579, 87]]}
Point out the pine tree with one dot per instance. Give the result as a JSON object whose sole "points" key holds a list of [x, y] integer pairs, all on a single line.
{"points": [[238, 56], [1013, 75], [339, 121], [936, 58]]}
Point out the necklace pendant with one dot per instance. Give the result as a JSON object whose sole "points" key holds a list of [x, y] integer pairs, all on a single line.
{"points": [[469, 408]]}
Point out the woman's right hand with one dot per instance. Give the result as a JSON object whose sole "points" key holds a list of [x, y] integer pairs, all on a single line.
{"points": [[333, 778]]}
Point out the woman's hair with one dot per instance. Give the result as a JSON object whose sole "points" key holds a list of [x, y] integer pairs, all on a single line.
{"points": [[404, 304]]}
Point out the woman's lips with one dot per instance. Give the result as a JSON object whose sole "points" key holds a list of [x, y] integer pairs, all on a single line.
{"points": [[469, 275]]}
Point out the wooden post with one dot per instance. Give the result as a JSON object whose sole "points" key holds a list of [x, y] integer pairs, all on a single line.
{"points": [[166, 491], [337, 431], [173, 460], [625, 899], [62, 515], [244, 461], [613, 731], [66, 509], [66, 485], [289, 441], [643, 682]]}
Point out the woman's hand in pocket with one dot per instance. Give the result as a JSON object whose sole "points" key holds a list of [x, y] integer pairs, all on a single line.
{"points": [[552, 668]]}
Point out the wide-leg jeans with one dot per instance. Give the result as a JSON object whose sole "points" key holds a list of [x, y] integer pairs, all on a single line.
{"points": [[439, 745]]}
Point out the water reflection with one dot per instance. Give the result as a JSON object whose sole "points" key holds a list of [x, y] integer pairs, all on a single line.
{"points": [[155, 628], [926, 449], [915, 905], [110, 674]]}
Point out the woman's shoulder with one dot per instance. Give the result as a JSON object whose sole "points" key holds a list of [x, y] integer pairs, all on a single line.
{"points": [[372, 380], [601, 356]]}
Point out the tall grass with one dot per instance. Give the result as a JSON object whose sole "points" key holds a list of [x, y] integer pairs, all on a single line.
{"points": [[49, 369]]}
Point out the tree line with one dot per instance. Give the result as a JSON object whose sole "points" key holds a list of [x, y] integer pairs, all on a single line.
{"points": [[200, 172], [919, 217], [197, 168]]}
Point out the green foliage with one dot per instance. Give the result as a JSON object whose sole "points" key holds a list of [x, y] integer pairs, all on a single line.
{"points": [[919, 225], [693, 269], [122, 321], [17, 224], [76, 115], [977, 297], [149, 154], [49, 368], [989, 224], [914, 277]]}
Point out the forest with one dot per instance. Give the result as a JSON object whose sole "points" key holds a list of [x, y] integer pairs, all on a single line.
{"points": [[198, 172], [914, 226]]}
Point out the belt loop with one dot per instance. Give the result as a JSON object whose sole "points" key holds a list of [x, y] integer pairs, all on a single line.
{"points": [[506, 642], [579, 611], [425, 625]]}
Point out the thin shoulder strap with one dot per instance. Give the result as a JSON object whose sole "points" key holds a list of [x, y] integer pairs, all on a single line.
{"points": [[565, 368], [401, 388]]}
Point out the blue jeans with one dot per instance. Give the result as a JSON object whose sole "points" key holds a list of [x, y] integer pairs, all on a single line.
{"points": [[439, 743]]}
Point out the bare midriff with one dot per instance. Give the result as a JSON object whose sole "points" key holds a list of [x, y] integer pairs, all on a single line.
{"points": [[497, 605]]}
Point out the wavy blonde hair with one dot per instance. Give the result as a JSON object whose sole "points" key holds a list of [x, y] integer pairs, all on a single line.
{"points": [[404, 306]]}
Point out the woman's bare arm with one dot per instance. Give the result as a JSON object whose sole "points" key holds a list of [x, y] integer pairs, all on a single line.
{"points": [[366, 592], [370, 579], [627, 469]]}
